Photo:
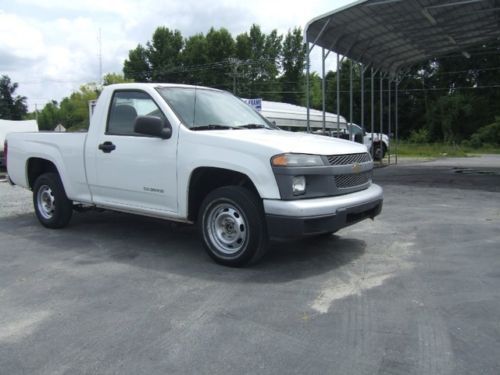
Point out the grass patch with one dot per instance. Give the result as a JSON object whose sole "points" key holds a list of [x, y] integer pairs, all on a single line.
{"points": [[441, 150]]}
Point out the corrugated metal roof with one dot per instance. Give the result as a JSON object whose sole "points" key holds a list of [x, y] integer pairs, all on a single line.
{"points": [[393, 34]]}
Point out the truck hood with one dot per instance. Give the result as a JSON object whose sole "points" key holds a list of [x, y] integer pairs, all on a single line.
{"points": [[280, 141]]}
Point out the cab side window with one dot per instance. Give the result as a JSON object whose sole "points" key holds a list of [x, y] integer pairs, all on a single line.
{"points": [[125, 107]]}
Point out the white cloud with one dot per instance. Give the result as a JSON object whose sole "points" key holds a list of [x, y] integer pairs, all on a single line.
{"points": [[19, 37], [51, 47]]}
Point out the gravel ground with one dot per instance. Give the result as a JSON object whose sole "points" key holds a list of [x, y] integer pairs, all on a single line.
{"points": [[417, 291]]}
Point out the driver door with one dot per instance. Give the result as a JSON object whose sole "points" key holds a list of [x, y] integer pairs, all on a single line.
{"points": [[133, 171]]}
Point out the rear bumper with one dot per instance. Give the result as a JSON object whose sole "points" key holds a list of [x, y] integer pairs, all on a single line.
{"points": [[288, 219]]}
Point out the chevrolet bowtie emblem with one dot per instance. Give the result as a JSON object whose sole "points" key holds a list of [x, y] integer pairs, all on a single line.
{"points": [[356, 168]]}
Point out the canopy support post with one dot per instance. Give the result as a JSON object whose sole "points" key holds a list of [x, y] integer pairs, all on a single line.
{"points": [[362, 70], [308, 68], [323, 88], [389, 84], [338, 95], [396, 119], [372, 108], [350, 99], [381, 126]]}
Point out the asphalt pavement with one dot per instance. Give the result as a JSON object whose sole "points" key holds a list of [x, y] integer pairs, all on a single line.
{"points": [[417, 291]]}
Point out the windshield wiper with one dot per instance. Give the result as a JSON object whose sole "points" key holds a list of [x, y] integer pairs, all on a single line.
{"points": [[213, 127], [253, 126]]}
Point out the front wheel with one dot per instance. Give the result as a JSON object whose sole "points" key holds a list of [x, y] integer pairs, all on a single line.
{"points": [[232, 225], [52, 207]]}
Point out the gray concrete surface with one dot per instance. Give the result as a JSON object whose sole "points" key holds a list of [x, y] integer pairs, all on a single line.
{"points": [[415, 292]]}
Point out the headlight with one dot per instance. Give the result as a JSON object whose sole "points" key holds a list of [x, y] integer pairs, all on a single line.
{"points": [[297, 160], [299, 185]]}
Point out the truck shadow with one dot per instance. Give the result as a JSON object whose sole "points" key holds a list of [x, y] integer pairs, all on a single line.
{"points": [[95, 238]]}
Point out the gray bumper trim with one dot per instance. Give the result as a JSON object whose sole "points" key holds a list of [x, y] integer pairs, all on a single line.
{"points": [[322, 206]]}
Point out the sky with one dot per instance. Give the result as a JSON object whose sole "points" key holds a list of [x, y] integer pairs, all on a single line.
{"points": [[51, 47]]}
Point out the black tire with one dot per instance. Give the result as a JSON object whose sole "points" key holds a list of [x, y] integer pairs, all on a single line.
{"points": [[52, 207], [232, 226], [379, 152]]}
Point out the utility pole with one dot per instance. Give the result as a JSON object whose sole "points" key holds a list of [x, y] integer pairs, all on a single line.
{"points": [[235, 65], [99, 39]]}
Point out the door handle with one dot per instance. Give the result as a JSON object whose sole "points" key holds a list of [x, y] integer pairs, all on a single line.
{"points": [[107, 147]]}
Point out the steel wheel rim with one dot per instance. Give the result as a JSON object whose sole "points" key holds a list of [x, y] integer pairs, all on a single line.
{"points": [[227, 228], [46, 202]]}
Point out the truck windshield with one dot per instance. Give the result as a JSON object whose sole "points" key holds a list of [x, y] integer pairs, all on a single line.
{"points": [[208, 109]]}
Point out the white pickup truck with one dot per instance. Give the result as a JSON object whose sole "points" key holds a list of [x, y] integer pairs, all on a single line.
{"points": [[197, 155]]}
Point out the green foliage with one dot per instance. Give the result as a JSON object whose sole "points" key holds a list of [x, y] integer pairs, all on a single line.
{"points": [[113, 78], [195, 53], [431, 150], [257, 62], [220, 47], [163, 54], [419, 136], [49, 117], [72, 112], [488, 135], [137, 66], [12, 107], [292, 65], [447, 117], [254, 64]]}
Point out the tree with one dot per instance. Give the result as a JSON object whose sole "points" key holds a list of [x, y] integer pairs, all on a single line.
{"points": [[259, 55], [448, 117], [49, 117], [113, 78], [137, 66], [159, 61], [73, 111], [163, 54], [220, 48], [293, 59], [11, 107], [194, 58]]}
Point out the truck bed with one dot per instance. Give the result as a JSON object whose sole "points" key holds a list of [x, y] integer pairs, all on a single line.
{"points": [[64, 150]]}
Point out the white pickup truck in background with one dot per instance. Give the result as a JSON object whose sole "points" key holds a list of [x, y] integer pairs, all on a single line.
{"points": [[197, 155], [377, 144]]}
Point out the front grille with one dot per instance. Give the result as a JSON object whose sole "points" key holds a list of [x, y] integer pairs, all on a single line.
{"points": [[344, 181], [349, 158]]}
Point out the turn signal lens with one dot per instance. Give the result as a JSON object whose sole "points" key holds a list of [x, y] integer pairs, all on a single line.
{"points": [[297, 160], [279, 161]]}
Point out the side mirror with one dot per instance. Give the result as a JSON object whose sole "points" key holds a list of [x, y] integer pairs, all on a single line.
{"points": [[358, 138], [153, 126]]}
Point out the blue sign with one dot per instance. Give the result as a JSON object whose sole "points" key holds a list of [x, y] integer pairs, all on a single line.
{"points": [[255, 103]]}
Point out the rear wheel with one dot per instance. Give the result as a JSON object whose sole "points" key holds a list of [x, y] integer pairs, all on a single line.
{"points": [[232, 225], [52, 207]]}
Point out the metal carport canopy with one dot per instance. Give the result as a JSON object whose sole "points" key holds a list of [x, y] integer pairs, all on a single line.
{"points": [[391, 34]]}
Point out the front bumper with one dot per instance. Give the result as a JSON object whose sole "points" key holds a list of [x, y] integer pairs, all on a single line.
{"points": [[306, 217]]}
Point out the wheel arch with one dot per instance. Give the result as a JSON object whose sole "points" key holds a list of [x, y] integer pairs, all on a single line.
{"points": [[203, 180], [36, 166]]}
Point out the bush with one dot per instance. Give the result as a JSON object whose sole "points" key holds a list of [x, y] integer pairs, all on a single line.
{"points": [[487, 135], [419, 136]]}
